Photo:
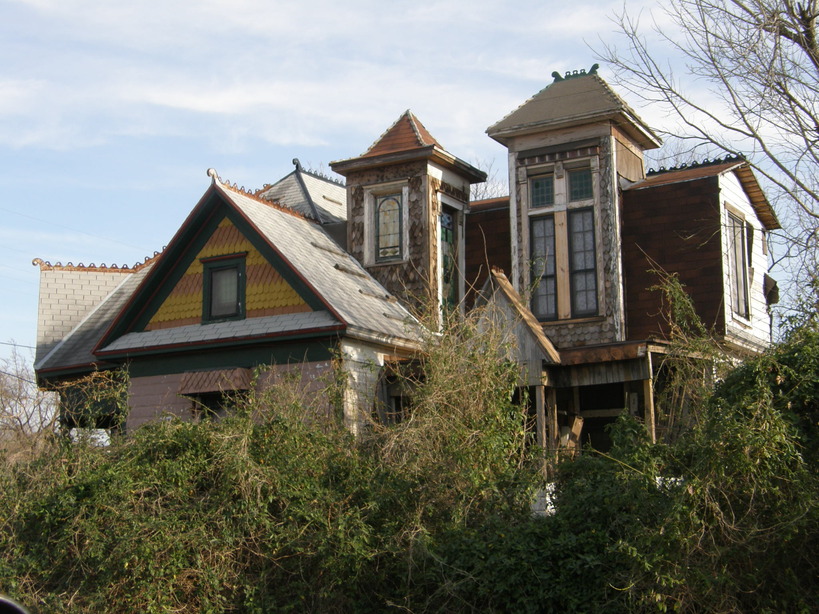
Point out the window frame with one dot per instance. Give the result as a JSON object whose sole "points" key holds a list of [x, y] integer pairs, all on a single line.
{"points": [[217, 264], [739, 262], [378, 200], [573, 272], [539, 177], [539, 278], [564, 207]]}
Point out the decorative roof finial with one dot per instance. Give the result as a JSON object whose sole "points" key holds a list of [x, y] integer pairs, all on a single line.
{"points": [[297, 164], [213, 175], [570, 74]]}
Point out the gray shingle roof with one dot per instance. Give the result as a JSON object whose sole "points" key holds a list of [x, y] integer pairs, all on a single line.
{"points": [[222, 331], [328, 197], [76, 347], [568, 102], [355, 300], [335, 276]]}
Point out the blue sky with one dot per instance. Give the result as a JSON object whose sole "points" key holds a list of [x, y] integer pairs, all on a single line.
{"points": [[111, 112]]}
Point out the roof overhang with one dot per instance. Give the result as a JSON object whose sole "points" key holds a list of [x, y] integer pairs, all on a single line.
{"points": [[629, 123], [431, 153]]}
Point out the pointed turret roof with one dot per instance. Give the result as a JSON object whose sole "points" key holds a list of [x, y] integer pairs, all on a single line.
{"points": [[575, 99], [407, 133], [407, 140]]}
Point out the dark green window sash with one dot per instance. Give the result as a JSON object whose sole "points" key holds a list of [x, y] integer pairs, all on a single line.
{"points": [[223, 289]]}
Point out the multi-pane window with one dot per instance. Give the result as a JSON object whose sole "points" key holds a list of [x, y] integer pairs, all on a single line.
{"points": [[563, 243], [543, 191], [582, 262], [738, 252], [388, 228], [544, 293], [223, 289], [580, 185]]}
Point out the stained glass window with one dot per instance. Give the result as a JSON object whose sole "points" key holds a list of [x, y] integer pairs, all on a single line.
{"points": [[388, 227]]}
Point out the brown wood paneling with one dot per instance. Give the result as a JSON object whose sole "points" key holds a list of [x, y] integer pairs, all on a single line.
{"points": [[488, 244], [675, 228]]}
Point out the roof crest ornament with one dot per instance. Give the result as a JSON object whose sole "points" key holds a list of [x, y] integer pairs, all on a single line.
{"points": [[571, 74], [255, 196], [46, 265], [697, 164]]}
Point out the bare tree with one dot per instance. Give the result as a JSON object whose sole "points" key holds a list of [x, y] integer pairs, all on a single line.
{"points": [[27, 414], [495, 185], [751, 87]]}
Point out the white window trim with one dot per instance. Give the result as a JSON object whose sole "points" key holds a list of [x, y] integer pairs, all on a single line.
{"points": [[370, 195], [731, 211], [560, 170]]}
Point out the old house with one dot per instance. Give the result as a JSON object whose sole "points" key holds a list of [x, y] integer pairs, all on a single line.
{"points": [[588, 230], [305, 269]]}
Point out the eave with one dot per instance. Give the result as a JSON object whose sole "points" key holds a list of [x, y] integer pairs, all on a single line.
{"points": [[431, 153]]}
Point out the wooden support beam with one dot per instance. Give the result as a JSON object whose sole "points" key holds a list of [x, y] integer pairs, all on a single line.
{"points": [[551, 413], [540, 425], [648, 398], [540, 415]]}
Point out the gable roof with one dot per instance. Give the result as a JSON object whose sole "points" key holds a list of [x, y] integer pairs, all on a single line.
{"points": [[578, 98], [343, 295], [498, 283], [75, 352], [694, 172], [314, 196]]}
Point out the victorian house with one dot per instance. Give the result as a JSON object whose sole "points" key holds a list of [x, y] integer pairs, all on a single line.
{"points": [[282, 279]]}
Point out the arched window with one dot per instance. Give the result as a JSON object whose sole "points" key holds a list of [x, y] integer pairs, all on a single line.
{"points": [[388, 228]]}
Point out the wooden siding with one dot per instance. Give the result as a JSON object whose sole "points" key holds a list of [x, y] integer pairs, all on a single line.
{"points": [[488, 245], [753, 332], [675, 228], [155, 396]]}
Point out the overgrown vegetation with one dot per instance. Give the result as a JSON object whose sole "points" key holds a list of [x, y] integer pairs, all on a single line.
{"points": [[265, 511]]}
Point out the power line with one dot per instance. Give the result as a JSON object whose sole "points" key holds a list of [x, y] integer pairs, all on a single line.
{"points": [[22, 379], [18, 345], [88, 234]]}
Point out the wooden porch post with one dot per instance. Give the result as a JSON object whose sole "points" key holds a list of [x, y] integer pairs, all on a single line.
{"points": [[554, 431], [540, 414], [648, 398]]}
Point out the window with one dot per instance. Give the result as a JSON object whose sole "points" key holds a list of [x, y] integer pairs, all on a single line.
{"points": [[563, 248], [449, 257], [582, 262], [580, 185], [543, 191], [223, 296], [739, 248], [544, 295], [388, 228]]}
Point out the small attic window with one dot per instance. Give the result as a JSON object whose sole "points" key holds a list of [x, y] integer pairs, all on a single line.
{"points": [[223, 291]]}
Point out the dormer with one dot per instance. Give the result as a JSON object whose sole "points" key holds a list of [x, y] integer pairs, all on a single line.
{"points": [[569, 147], [406, 198]]}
